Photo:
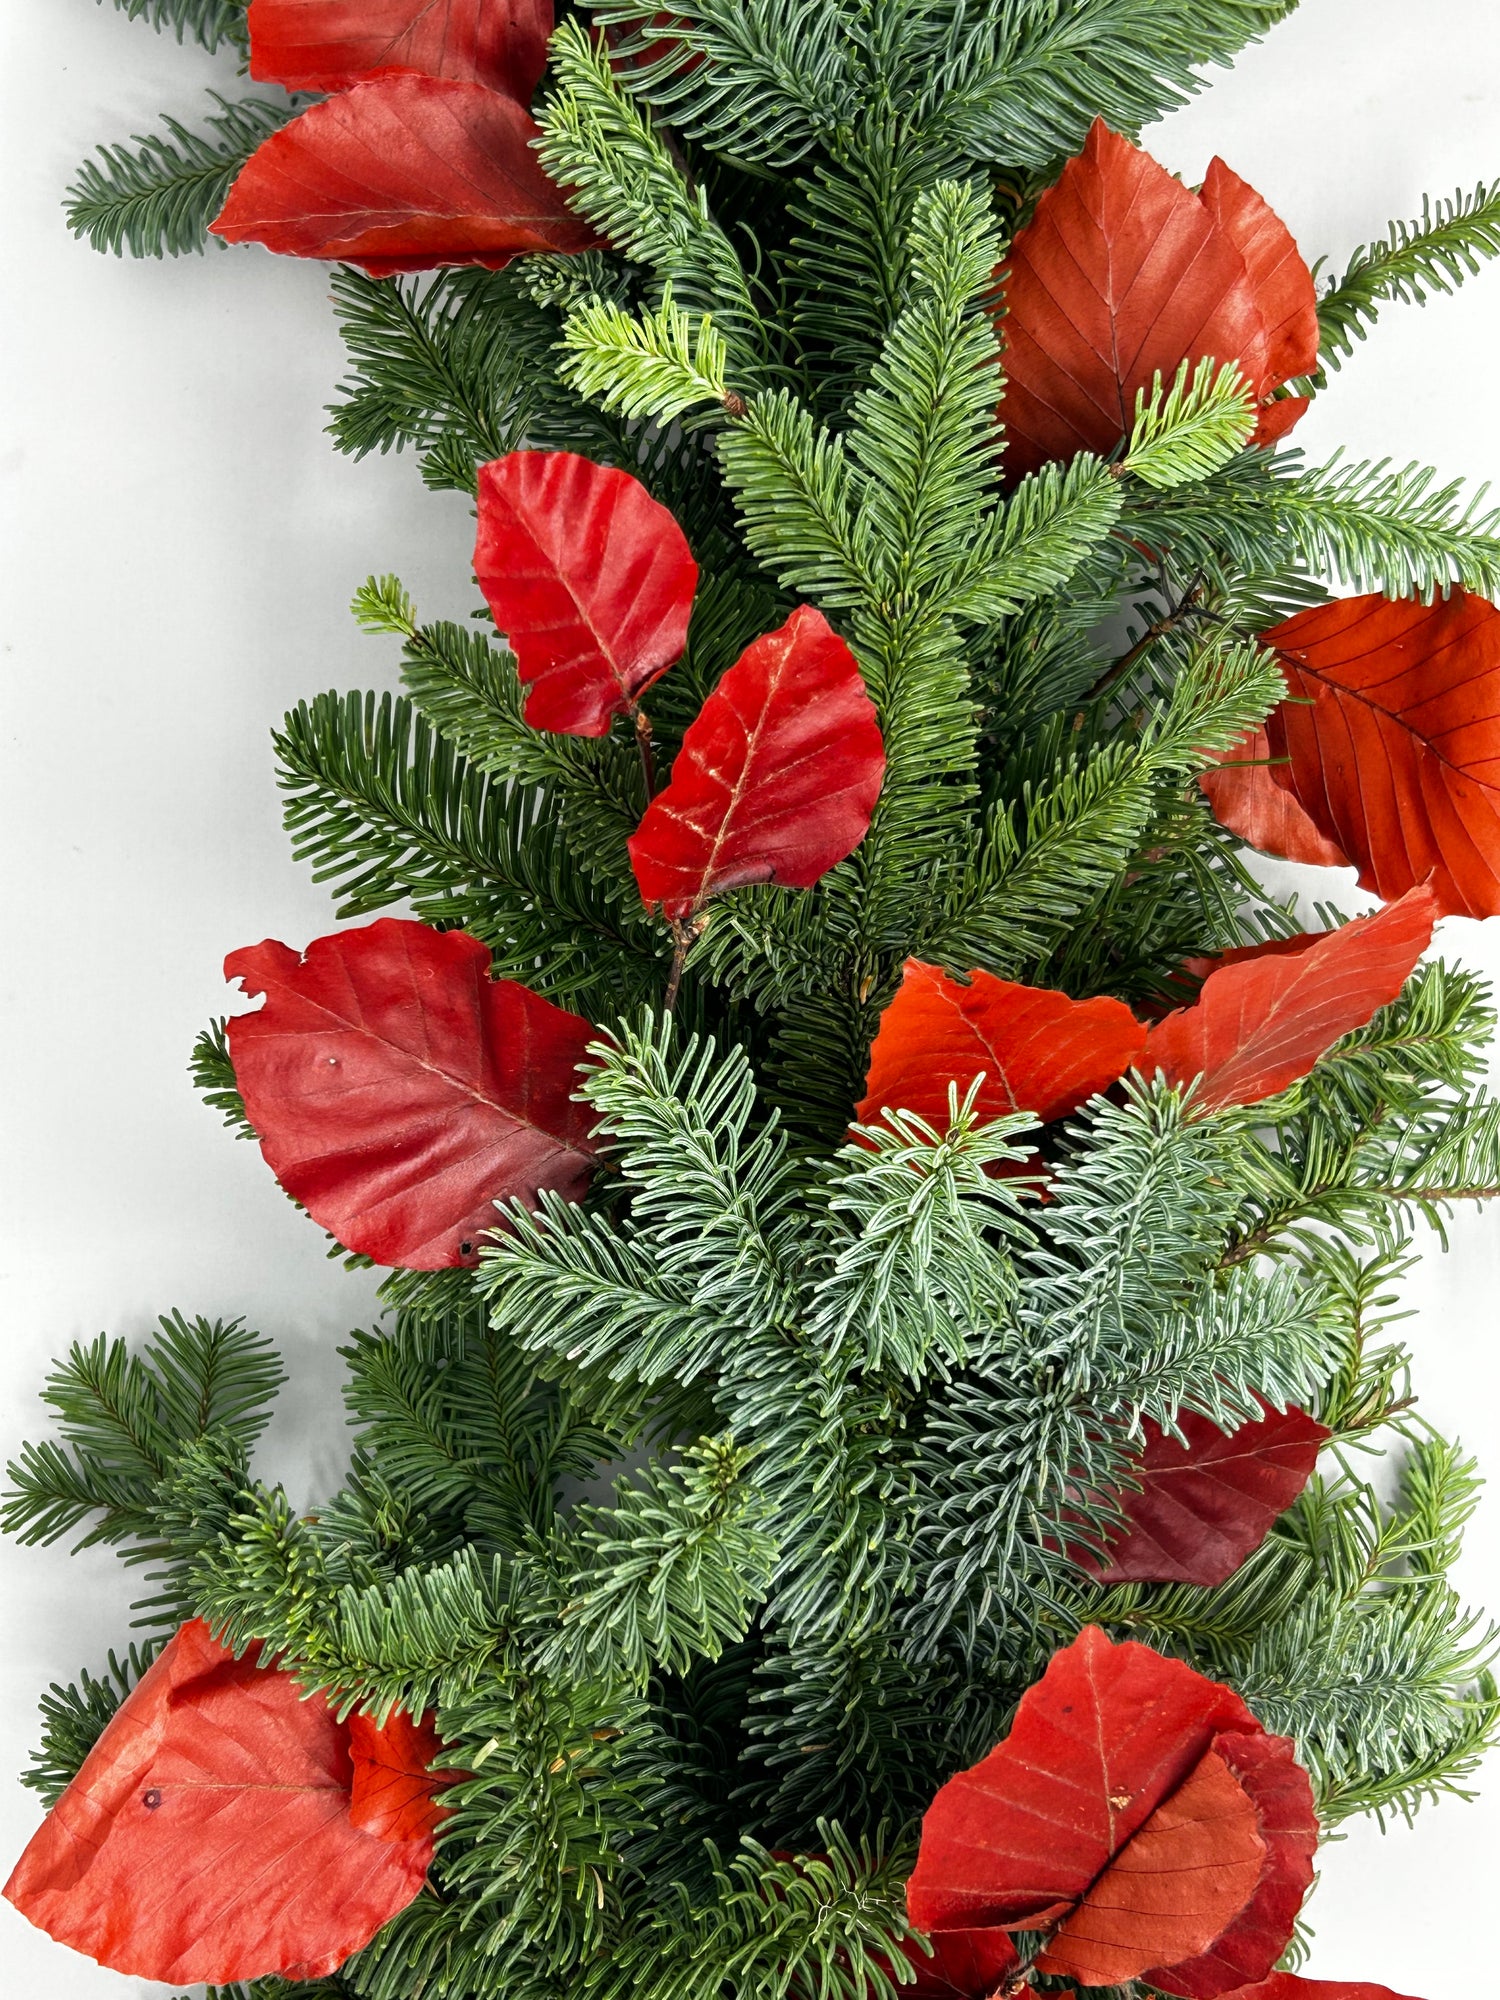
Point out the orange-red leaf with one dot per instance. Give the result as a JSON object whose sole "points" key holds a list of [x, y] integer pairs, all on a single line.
{"points": [[1123, 273], [403, 173], [777, 775], [1205, 1502], [395, 1787], [1038, 1050], [1291, 1986], [1260, 1024], [963, 1965], [1391, 730], [331, 44], [208, 1834], [1246, 798], [398, 1091], [590, 580], [1171, 1890]]}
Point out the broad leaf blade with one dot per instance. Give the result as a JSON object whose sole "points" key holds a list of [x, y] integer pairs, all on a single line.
{"points": [[394, 1791], [1283, 286], [1245, 797], [332, 44], [1291, 1986]]}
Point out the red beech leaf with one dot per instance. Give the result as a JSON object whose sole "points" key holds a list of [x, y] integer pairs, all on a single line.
{"points": [[1267, 1768], [1246, 798], [1206, 1504], [403, 174], [590, 580], [1392, 734], [964, 1965], [1171, 1890], [1039, 1051], [398, 1091], [1259, 1025], [1291, 1986], [1123, 273], [394, 1790], [331, 44], [207, 1835], [776, 778], [1098, 1743]]}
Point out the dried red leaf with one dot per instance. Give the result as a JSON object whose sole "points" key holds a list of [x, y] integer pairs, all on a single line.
{"points": [[1392, 734], [1246, 798], [1038, 1050], [1205, 1503], [1267, 1768], [590, 580], [1259, 1025], [1123, 273], [403, 173], [777, 775], [395, 1788], [1108, 1733], [208, 1835], [1291, 1986], [398, 1091], [331, 44], [1171, 1890], [963, 1965]]}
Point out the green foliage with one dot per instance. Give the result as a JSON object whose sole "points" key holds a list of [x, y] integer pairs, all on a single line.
{"points": [[659, 365], [1191, 429], [74, 1718], [158, 199], [209, 22]]}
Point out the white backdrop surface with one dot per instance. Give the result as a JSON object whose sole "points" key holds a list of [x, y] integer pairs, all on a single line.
{"points": [[180, 542]]}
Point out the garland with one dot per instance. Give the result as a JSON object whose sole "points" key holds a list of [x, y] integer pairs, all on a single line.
{"points": [[842, 1077]]}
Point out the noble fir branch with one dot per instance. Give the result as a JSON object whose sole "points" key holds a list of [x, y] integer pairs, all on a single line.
{"points": [[1192, 428], [157, 196], [74, 1718], [208, 22], [658, 364], [214, 1078]]}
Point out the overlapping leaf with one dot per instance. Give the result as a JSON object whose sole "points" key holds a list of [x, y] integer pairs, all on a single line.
{"points": [[590, 580], [331, 44], [209, 1835], [962, 1965], [398, 1091], [1391, 735], [401, 174], [1123, 274], [1247, 799], [395, 1787], [1292, 1986], [777, 775]]}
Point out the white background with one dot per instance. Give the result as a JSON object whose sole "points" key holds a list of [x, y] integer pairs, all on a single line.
{"points": [[180, 543]]}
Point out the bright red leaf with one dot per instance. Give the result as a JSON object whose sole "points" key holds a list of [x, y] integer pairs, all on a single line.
{"points": [[398, 1091], [331, 44], [1392, 736], [208, 1835], [590, 580], [395, 1788], [1038, 1050], [777, 775], [1260, 1024], [1246, 798], [1123, 273], [963, 1965], [1291, 1986], [1172, 1889], [402, 174], [1204, 1504]]}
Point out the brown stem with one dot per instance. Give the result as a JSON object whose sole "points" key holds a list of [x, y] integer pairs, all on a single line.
{"points": [[1168, 622], [684, 936], [643, 744]]}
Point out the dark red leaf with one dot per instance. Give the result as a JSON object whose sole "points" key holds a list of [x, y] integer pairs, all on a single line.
{"points": [[1267, 1768], [590, 580], [331, 44], [1291, 1986], [1171, 1890], [1123, 273], [398, 1091], [1259, 1025], [1204, 1505], [403, 174], [776, 778], [208, 1834], [1392, 732], [1247, 799], [1038, 1050], [964, 1965], [1107, 1734], [395, 1787]]}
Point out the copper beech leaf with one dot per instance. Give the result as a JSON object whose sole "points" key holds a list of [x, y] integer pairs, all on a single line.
{"points": [[1206, 1501], [962, 1965], [395, 1787], [208, 1835], [1292, 1986], [1246, 798], [590, 580], [398, 1091], [331, 44], [1037, 1050], [777, 775], [1122, 274], [403, 173], [1391, 735], [1263, 1022]]}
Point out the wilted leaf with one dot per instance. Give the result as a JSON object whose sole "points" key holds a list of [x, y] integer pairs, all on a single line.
{"points": [[331, 44], [398, 1091]]}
